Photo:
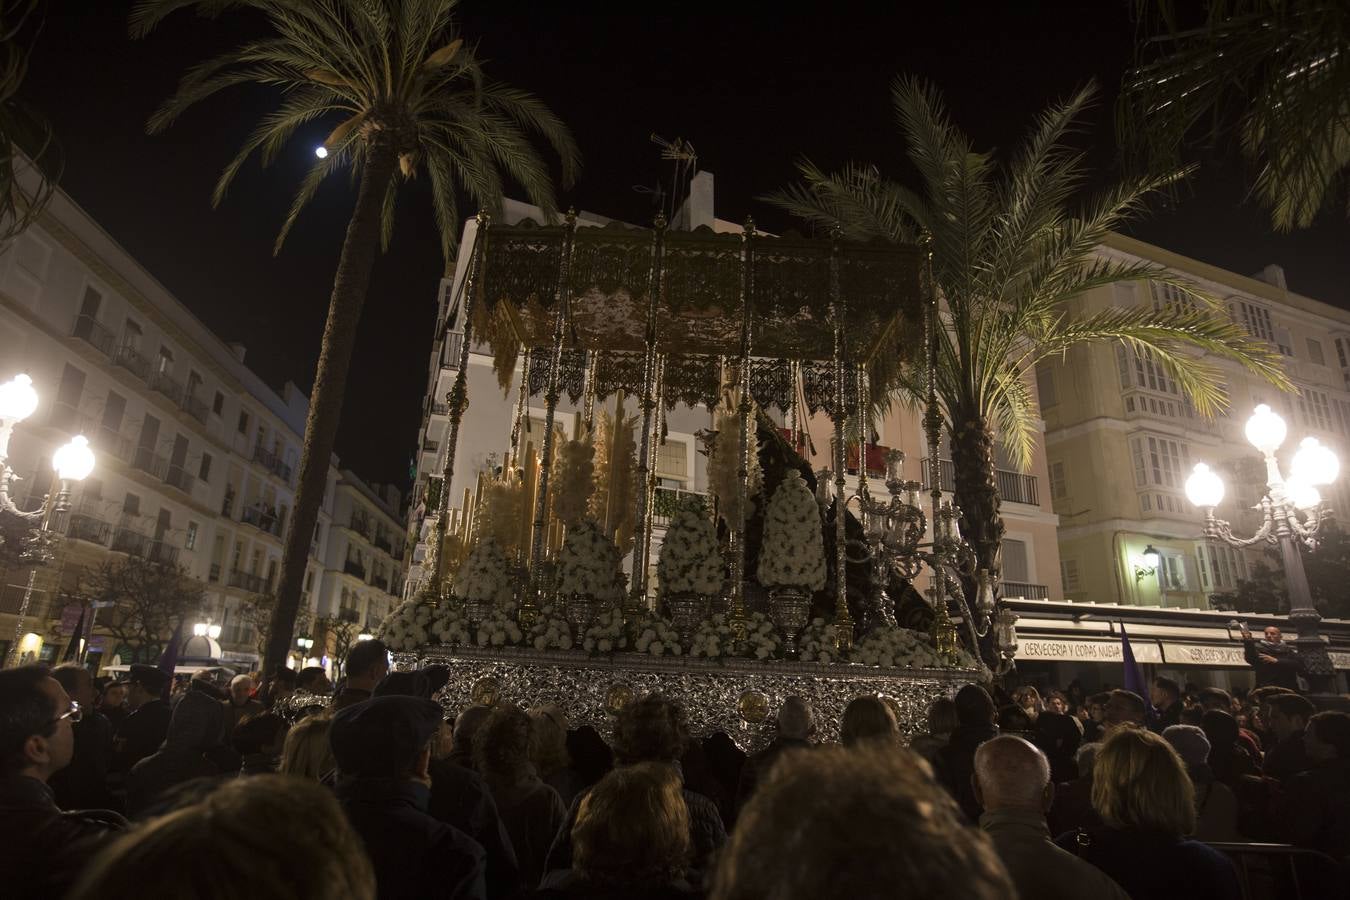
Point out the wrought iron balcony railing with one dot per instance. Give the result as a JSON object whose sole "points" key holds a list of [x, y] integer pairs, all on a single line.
{"points": [[83, 527], [667, 500], [129, 358], [1014, 487], [272, 463], [134, 543], [254, 584], [95, 334], [1019, 590], [262, 519]]}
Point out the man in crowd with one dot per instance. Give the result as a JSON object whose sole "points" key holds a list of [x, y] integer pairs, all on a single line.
{"points": [[313, 680], [1276, 663], [1012, 785], [367, 663], [42, 849], [146, 723], [1316, 808], [240, 705], [383, 749], [1166, 697], [975, 715], [1095, 708], [1287, 715], [796, 725], [113, 703], [1124, 709], [84, 783]]}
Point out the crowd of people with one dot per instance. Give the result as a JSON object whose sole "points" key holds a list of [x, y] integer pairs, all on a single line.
{"points": [[213, 791]]}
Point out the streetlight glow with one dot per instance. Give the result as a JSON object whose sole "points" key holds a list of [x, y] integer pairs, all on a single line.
{"points": [[18, 400], [321, 151], [75, 460], [1302, 494], [1314, 463], [1204, 488], [1265, 430]]}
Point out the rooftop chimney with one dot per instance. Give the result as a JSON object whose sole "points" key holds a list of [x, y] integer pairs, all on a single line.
{"points": [[239, 350], [1273, 274]]}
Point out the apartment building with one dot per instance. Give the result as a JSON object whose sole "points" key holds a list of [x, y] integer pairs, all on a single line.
{"points": [[1121, 439], [1030, 557], [196, 456], [363, 568]]}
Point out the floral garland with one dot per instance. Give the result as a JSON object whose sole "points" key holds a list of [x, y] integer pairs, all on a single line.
{"points": [[588, 564], [690, 560], [485, 575], [550, 631], [499, 629], [817, 642], [407, 627], [715, 639], [902, 647], [606, 634], [793, 551]]}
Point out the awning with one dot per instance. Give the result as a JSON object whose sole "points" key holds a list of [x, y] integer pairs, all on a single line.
{"points": [[1340, 658], [1208, 655], [1033, 649]]}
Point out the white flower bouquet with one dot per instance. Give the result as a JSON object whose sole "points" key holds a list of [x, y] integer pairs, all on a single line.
{"points": [[655, 636], [550, 630], [588, 565], [485, 576], [793, 551], [408, 626], [498, 629], [606, 634], [715, 639], [901, 647], [449, 625], [817, 642], [690, 562]]}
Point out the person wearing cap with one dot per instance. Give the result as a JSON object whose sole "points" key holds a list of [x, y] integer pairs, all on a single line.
{"points": [[383, 748], [1216, 806], [145, 726]]}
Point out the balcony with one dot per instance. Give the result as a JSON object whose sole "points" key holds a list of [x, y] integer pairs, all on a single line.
{"points": [[352, 567], [133, 543], [130, 359], [145, 460], [95, 334], [1013, 487], [1018, 590], [272, 463], [83, 527], [254, 584], [195, 408], [361, 525], [383, 542], [178, 477], [440, 409], [164, 383], [348, 615], [66, 417], [262, 519], [214, 574], [108, 441], [451, 349], [666, 500]]}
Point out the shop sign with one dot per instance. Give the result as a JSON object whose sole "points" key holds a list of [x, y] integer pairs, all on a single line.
{"points": [[1340, 658], [1203, 654], [1058, 650]]}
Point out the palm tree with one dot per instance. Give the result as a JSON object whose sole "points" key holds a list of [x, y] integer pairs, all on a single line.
{"points": [[26, 139], [1007, 253], [1275, 74], [408, 97]]}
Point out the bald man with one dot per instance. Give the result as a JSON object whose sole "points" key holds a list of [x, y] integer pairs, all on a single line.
{"points": [[1012, 786]]}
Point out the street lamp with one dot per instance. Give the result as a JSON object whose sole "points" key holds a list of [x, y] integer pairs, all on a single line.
{"points": [[207, 630], [1291, 512]]}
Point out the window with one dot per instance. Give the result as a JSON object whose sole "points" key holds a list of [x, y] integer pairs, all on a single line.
{"points": [[131, 335], [1159, 461], [1169, 296], [1284, 341], [1015, 567], [165, 364], [1045, 386], [190, 541], [1315, 352], [1256, 319], [1343, 352], [114, 408], [131, 505], [672, 459], [66, 411], [1172, 573], [1313, 409], [1142, 371], [1058, 488], [243, 422], [218, 405], [204, 471], [1343, 415], [1220, 566], [1068, 571]]}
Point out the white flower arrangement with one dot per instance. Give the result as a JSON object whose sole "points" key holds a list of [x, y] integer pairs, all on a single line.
{"points": [[690, 561], [573, 480], [485, 576], [606, 634], [588, 564], [448, 625], [550, 631], [655, 636], [715, 639], [901, 647], [408, 626], [793, 551], [817, 642], [499, 629]]}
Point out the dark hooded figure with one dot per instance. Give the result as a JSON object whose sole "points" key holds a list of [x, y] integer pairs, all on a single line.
{"points": [[193, 748]]}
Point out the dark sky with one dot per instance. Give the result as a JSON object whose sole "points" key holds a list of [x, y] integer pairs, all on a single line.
{"points": [[751, 86]]}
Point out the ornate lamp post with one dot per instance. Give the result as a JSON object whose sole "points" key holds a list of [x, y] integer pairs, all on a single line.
{"points": [[72, 462], [1292, 512]]}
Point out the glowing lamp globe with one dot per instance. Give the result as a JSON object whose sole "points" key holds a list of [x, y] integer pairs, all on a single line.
{"points": [[1265, 430], [213, 632], [1204, 488], [75, 460], [1302, 494], [1314, 463], [321, 151], [199, 629], [1151, 557], [18, 400]]}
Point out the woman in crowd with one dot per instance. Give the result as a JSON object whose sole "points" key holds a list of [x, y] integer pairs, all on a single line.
{"points": [[1029, 700], [868, 720], [549, 753], [941, 723], [307, 752]]}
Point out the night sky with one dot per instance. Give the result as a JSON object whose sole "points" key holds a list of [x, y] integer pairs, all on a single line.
{"points": [[752, 90]]}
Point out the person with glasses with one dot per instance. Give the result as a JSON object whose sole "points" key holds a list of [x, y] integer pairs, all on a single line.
{"points": [[42, 848]]}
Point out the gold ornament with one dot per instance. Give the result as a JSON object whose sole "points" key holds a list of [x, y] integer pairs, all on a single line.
{"points": [[485, 692], [617, 697], [753, 707]]}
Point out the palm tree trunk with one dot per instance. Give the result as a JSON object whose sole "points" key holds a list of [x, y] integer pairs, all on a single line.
{"points": [[976, 490], [330, 384]]}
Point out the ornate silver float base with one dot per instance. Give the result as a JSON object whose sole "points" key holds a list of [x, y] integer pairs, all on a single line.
{"points": [[686, 611], [738, 697]]}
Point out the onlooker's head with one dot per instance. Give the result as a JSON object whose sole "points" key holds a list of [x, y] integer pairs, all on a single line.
{"points": [[1096, 706], [1139, 782], [501, 748], [821, 811], [1289, 714], [114, 695], [974, 707], [1010, 773], [367, 663], [1191, 744], [549, 750], [145, 683], [241, 689], [1222, 731], [1164, 692], [313, 680], [385, 737], [1328, 736], [77, 683], [1086, 758], [1057, 702], [1125, 708], [36, 717], [796, 719], [1029, 699], [868, 719], [466, 726], [650, 729], [942, 719], [259, 734], [1015, 718], [307, 751], [281, 686], [632, 828], [1216, 698], [1273, 634], [271, 837]]}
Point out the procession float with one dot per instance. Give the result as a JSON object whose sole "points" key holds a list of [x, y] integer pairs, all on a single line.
{"points": [[783, 580]]}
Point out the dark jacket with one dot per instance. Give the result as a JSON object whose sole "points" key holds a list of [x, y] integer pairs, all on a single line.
{"points": [[1157, 867], [1039, 869], [140, 734], [349, 697], [956, 763], [84, 783], [1281, 673], [1165, 718], [236, 714], [570, 886], [460, 798], [757, 766], [1315, 811], [415, 856], [193, 748], [532, 813], [42, 849], [1287, 758]]}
